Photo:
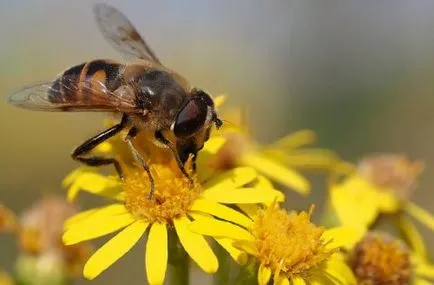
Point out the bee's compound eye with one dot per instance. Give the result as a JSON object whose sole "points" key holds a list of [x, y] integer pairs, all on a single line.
{"points": [[191, 118]]}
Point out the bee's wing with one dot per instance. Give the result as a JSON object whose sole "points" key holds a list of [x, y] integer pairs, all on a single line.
{"points": [[65, 94], [121, 34]]}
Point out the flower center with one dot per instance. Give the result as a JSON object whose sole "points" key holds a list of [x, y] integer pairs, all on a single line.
{"points": [[392, 171], [288, 243], [173, 193], [378, 259]]}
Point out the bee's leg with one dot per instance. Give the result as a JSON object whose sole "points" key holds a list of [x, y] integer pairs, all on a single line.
{"points": [[160, 138], [83, 149], [131, 134], [194, 159]]}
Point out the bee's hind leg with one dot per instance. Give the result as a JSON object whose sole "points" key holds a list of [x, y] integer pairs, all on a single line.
{"points": [[160, 138], [82, 150]]}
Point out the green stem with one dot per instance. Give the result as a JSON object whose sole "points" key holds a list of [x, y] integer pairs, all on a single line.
{"points": [[247, 274], [223, 274], [329, 218], [179, 266]]}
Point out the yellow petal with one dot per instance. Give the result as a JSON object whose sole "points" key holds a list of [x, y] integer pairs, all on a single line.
{"points": [[234, 178], [387, 202], [420, 281], [250, 209], [420, 214], [97, 213], [343, 236], [412, 235], [199, 215], [340, 170], [95, 227], [96, 184], [264, 275], [79, 217], [156, 254], [315, 158], [354, 203], [76, 173], [213, 145], [243, 195], [298, 281], [239, 256], [339, 270], [247, 246], [219, 100], [196, 246], [263, 182], [321, 279], [216, 228], [221, 211], [297, 139], [282, 280], [423, 268], [113, 249], [105, 148], [277, 171]]}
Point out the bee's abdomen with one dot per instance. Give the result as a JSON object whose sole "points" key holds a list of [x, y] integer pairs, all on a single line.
{"points": [[81, 83]]}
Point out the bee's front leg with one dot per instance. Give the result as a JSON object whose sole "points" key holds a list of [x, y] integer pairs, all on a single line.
{"points": [[131, 134], [161, 139]]}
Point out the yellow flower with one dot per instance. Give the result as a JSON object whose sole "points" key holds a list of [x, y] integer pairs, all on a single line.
{"points": [[231, 146], [175, 204], [382, 260], [381, 185], [288, 247], [279, 161]]}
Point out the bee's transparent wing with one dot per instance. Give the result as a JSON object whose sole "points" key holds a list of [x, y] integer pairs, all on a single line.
{"points": [[121, 34], [64, 94]]}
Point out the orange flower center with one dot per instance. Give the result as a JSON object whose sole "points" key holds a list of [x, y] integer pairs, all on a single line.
{"points": [[172, 198], [393, 172], [289, 243], [378, 259]]}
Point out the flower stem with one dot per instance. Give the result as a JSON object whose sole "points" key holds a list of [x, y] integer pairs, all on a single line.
{"points": [[247, 274], [329, 218], [179, 271], [222, 276]]}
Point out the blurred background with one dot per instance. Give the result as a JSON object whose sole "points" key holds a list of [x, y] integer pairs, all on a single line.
{"points": [[359, 73]]}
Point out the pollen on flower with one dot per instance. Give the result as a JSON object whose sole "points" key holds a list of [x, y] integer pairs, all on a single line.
{"points": [[289, 243], [378, 259], [172, 198], [392, 171]]}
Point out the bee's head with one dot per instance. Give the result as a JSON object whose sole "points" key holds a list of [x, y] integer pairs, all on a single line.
{"points": [[197, 112], [193, 122]]}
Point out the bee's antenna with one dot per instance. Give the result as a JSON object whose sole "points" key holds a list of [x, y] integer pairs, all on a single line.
{"points": [[226, 122], [218, 123]]}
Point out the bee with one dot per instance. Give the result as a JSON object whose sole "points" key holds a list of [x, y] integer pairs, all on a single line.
{"points": [[150, 97]]}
